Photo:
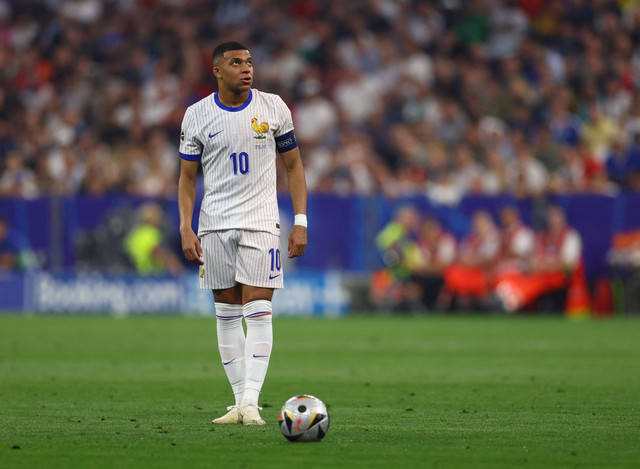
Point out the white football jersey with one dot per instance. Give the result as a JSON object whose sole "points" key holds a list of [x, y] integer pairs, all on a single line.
{"points": [[237, 150]]}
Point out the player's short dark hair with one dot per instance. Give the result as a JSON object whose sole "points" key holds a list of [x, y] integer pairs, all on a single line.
{"points": [[219, 51]]}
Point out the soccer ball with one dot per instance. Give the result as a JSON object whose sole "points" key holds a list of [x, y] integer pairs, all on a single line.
{"points": [[304, 418]]}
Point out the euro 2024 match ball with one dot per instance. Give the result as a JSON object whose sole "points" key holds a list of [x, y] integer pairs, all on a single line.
{"points": [[304, 418]]}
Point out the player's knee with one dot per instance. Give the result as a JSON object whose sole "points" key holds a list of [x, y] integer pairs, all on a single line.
{"points": [[262, 350], [226, 353]]}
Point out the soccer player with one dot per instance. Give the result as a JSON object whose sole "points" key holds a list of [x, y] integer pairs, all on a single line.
{"points": [[234, 134]]}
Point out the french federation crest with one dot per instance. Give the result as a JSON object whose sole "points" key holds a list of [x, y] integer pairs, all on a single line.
{"points": [[260, 129]]}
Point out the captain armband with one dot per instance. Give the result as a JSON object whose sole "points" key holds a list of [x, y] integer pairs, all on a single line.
{"points": [[286, 142]]}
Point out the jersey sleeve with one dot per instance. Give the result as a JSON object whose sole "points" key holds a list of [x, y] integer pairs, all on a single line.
{"points": [[285, 121], [190, 145]]}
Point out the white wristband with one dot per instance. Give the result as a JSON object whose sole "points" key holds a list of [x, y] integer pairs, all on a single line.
{"points": [[300, 219]]}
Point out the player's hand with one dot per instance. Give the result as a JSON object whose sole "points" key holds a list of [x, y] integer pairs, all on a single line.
{"points": [[297, 241], [191, 247]]}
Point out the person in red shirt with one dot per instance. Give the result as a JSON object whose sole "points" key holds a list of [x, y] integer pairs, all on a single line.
{"points": [[557, 260], [435, 251], [517, 242], [469, 279]]}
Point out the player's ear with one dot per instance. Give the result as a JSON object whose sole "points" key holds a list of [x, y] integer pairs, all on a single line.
{"points": [[216, 71]]}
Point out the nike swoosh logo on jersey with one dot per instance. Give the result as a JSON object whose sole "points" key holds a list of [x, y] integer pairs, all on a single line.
{"points": [[271, 277], [260, 356], [211, 136], [230, 361]]}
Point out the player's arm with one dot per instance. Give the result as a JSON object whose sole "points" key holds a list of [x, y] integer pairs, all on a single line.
{"points": [[186, 202], [298, 190]]}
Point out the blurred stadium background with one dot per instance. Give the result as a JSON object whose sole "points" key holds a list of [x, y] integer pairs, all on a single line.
{"points": [[447, 106]]}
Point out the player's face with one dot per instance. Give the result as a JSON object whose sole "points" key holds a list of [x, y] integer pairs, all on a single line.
{"points": [[235, 70]]}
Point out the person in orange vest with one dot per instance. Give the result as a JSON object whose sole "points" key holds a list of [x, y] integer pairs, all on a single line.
{"points": [[469, 279], [556, 265]]}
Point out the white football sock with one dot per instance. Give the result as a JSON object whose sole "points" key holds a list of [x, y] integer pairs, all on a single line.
{"points": [[231, 343], [257, 315]]}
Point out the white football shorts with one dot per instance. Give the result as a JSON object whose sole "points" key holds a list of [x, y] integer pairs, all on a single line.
{"points": [[240, 256]]}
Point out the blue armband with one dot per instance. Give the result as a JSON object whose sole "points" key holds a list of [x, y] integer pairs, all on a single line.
{"points": [[286, 142], [188, 157]]}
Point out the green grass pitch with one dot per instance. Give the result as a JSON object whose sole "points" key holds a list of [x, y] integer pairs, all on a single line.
{"points": [[480, 392]]}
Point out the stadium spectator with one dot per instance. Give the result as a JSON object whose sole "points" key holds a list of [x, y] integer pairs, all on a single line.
{"points": [[623, 163], [18, 180], [317, 116], [599, 131], [468, 174], [526, 176], [517, 242], [555, 265], [436, 250], [517, 246], [569, 175], [468, 280], [15, 250]]}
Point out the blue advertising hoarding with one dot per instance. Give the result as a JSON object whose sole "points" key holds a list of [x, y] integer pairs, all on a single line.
{"points": [[306, 294]]}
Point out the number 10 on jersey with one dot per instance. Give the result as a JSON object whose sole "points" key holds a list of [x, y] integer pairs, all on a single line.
{"points": [[240, 162]]}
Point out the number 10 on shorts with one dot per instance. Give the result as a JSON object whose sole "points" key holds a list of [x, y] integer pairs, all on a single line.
{"points": [[275, 261]]}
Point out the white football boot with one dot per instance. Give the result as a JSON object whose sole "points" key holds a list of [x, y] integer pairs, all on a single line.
{"points": [[233, 416], [249, 415]]}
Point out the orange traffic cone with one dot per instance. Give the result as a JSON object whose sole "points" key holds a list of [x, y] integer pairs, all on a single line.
{"points": [[578, 297]]}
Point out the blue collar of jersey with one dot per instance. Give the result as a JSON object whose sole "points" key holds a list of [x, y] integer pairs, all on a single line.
{"points": [[232, 109]]}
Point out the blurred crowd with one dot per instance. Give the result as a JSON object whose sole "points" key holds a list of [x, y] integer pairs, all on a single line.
{"points": [[503, 265], [401, 97]]}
